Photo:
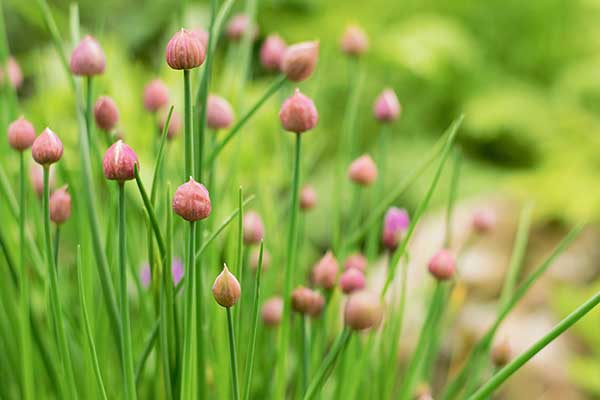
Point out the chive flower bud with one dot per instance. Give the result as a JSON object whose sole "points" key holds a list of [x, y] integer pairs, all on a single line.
{"points": [[219, 114], [60, 205], [176, 272], [395, 224], [88, 58], [308, 198], [13, 70], [363, 171], [307, 302], [226, 289], [271, 52], [324, 273], [300, 60], [271, 311], [21, 134], [354, 41], [484, 221], [356, 261], [266, 260], [442, 265], [156, 95], [238, 26], [47, 148], [362, 311], [175, 124], [185, 50], [106, 113], [317, 305], [352, 280], [202, 34], [386, 107], [298, 113], [254, 229], [191, 201], [119, 162]]}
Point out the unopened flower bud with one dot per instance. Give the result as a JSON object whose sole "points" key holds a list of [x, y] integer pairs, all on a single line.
{"points": [[395, 224], [60, 205], [298, 113], [307, 302], [308, 198], [238, 26], [501, 353], [36, 175], [299, 61], [88, 58], [484, 221], [363, 310], [317, 304], [106, 113], [176, 272], [202, 35], [191, 201], [226, 289], [354, 41], [15, 75], [119, 162], [145, 275], [271, 52], [363, 171], [185, 50], [272, 310], [442, 265], [254, 229], [356, 261], [266, 259], [324, 273], [156, 95], [47, 148], [21, 134], [352, 280], [219, 114], [175, 124], [386, 107]]}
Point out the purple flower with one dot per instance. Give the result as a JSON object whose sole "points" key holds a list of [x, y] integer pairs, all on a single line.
{"points": [[145, 275], [176, 269], [396, 222]]}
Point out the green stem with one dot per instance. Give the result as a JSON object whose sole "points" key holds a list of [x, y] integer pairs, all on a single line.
{"points": [[187, 125], [56, 243], [502, 375], [127, 353], [89, 108], [151, 214], [305, 352], [292, 240], [62, 343], [233, 357], [188, 335]]}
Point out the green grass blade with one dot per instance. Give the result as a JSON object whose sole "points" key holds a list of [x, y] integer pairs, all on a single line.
{"points": [[160, 156], [151, 214]]}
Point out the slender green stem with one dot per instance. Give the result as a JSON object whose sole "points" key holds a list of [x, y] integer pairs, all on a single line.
{"points": [[502, 375], [250, 361], [89, 81], [164, 344], [160, 157], [127, 353], [88, 327], [56, 243], [151, 214], [292, 239], [187, 384], [305, 352], [62, 342], [187, 126], [373, 238], [233, 357], [239, 269]]}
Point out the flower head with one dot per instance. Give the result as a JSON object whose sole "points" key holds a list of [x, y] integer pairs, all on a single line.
{"points": [[176, 271], [356, 261], [254, 230], [362, 311], [306, 301], [119, 162], [395, 224], [185, 50], [272, 310], [271, 52], [88, 58], [191, 201], [15, 75], [363, 171], [47, 148], [386, 107], [219, 114], [352, 280], [21, 134], [354, 41], [298, 113], [156, 95], [442, 265], [484, 221], [106, 113], [324, 273], [299, 60], [60, 205], [226, 289], [238, 26], [308, 198]]}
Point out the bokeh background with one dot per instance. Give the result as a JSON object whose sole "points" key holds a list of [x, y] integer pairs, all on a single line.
{"points": [[526, 74]]}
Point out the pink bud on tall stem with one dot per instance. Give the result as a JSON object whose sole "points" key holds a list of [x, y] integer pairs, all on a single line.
{"points": [[354, 41], [88, 58], [192, 201], [363, 310], [271, 52], [60, 205], [219, 114], [442, 265], [21, 134], [272, 310], [185, 51], [363, 171], [386, 107], [226, 289], [47, 148], [298, 113], [308, 198], [119, 162], [156, 95], [324, 273], [106, 113], [254, 229], [300, 60]]}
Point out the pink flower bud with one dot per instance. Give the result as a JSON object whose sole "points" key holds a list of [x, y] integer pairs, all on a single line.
{"points": [[21, 134], [362, 311], [306, 301], [202, 35], [60, 205], [317, 305], [177, 270], [266, 261], [299, 60], [352, 280], [501, 353], [308, 198], [354, 41], [254, 229], [272, 310], [442, 265], [324, 273], [238, 26], [356, 261], [271, 52], [219, 114], [395, 224], [191, 201], [36, 175], [185, 50], [175, 124], [226, 289], [106, 113], [363, 171], [156, 95], [145, 275], [298, 113], [15, 75], [88, 58], [484, 221], [47, 148], [386, 107], [119, 162]]}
